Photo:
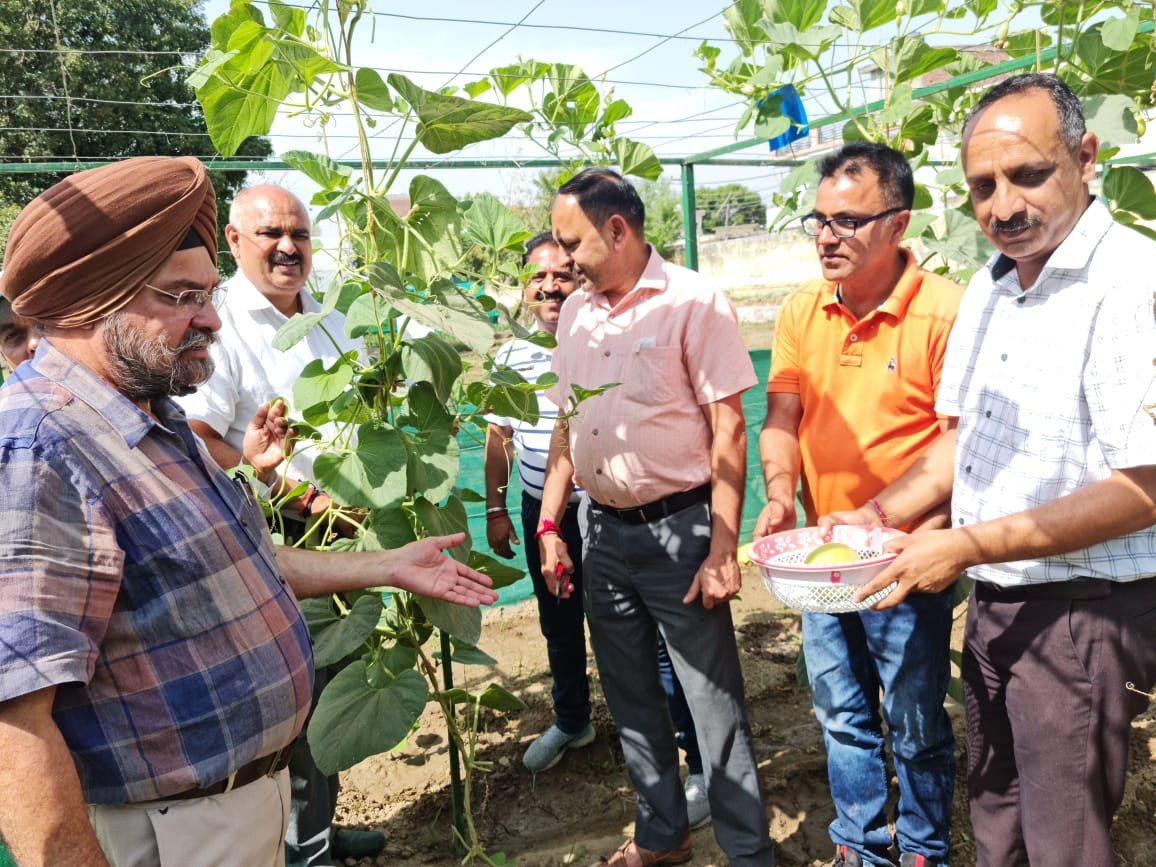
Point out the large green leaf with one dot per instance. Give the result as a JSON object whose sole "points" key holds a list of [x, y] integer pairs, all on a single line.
{"points": [[502, 574], [803, 14], [510, 401], [433, 360], [497, 697], [387, 529], [372, 475], [353, 721], [372, 91], [962, 243], [636, 158], [1129, 189], [323, 170], [911, 57], [449, 123], [1104, 71], [1111, 118], [742, 20], [919, 130], [445, 521], [320, 384], [491, 225], [468, 654], [433, 463], [296, 330], [863, 15], [287, 18], [432, 209], [334, 636], [233, 114], [1118, 33], [796, 45], [464, 624], [424, 411], [507, 79]]}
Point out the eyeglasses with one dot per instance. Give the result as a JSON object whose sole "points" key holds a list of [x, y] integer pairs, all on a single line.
{"points": [[193, 300], [842, 227]]}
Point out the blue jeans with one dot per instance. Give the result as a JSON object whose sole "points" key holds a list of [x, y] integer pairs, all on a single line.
{"points": [[902, 653], [561, 620]]}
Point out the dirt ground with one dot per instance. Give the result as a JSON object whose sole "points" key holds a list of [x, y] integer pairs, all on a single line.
{"points": [[584, 807]]}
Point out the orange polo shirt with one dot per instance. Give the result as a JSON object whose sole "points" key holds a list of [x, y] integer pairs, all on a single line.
{"points": [[867, 386]]}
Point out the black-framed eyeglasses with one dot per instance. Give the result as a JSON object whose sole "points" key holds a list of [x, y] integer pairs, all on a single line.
{"points": [[193, 300], [842, 227]]}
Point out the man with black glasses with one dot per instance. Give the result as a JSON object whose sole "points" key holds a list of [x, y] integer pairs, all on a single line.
{"points": [[850, 406]]}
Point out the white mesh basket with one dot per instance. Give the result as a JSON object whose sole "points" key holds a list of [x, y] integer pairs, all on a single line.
{"points": [[826, 589]]}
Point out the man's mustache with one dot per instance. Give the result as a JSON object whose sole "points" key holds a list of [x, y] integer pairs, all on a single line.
{"points": [[198, 338], [1015, 225], [280, 258], [543, 297]]}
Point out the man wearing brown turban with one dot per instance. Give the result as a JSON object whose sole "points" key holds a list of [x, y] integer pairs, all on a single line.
{"points": [[154, 664]]}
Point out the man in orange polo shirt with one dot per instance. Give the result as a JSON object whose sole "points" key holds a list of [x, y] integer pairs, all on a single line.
{"points": [[851, 405]]}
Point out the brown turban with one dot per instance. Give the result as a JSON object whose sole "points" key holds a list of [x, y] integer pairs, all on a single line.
{"points": [[81, 249]]}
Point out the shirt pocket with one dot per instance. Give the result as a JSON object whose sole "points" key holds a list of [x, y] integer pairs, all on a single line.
{"points": [[653, 374]]}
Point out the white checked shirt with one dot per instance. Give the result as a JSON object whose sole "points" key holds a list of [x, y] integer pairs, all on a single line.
{"points": [[1050, 386]]}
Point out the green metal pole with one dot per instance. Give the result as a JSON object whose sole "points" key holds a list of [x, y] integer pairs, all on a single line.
{"points": [[455, 769], [689, 217]]}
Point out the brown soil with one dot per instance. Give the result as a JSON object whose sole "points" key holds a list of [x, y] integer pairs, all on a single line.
{"points": [[584, 807]]}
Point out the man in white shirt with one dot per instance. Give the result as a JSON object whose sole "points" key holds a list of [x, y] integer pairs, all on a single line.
{"points": [[269, 235]]}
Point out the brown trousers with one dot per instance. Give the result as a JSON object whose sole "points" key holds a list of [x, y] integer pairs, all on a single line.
{"points": [[1049, 716]]}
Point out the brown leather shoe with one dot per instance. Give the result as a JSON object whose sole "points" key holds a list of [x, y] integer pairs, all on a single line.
{"points": [[630, 854]]}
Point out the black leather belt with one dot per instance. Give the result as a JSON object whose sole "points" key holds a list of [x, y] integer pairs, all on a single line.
{"points": [[659, 509], [265, 766], [1077, 588]]}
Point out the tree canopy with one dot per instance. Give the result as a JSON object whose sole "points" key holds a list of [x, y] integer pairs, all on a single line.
{"points": [[730, 205], [102, 80]]}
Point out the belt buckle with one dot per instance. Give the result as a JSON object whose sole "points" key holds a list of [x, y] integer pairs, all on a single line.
{"points": [[642, 514]]}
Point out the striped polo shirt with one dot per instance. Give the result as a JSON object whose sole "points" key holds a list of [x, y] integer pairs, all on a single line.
{"points": [[531, 441]]}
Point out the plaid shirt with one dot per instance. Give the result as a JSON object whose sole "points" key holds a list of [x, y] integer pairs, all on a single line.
{"points": [[140, 581], [1050, 386]]}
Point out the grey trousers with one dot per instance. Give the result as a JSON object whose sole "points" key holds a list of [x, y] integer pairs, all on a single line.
{"points": [[635, 578]]}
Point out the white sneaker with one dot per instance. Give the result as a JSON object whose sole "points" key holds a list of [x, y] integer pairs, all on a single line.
{"points": [[697, 802], [547, 749]]}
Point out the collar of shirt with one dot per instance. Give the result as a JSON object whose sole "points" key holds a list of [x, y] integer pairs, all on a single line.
{"points": [[243, 295], [895, 304], [1073, 254], [653, 278], [122, 415]]}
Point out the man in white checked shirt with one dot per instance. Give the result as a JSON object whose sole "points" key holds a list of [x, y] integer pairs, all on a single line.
{"points": [[1053, 482]]}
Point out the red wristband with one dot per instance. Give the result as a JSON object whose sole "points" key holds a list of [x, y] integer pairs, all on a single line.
{"points": [[546, 528], [314, 493], [879, 513]]}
